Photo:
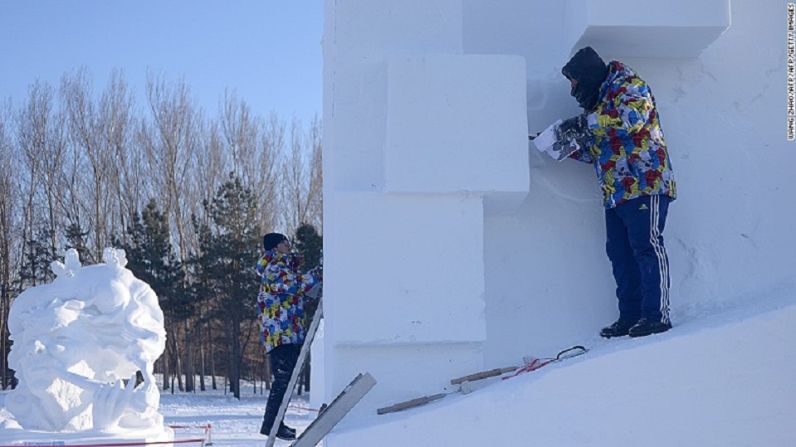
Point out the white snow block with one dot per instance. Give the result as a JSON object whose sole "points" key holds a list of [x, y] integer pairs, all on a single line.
{"points": [[456, 123], [367, 30], [403, 269], [355, 129], [623, 28]]}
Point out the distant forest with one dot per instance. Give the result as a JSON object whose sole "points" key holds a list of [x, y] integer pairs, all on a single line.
{"points": [[186, 194]]}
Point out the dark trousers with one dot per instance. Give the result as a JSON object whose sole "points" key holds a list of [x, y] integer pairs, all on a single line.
{"points": [[634, 244], [283, 361]]}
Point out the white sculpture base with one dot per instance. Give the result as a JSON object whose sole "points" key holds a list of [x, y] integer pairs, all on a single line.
{"points": [[22, 437]]}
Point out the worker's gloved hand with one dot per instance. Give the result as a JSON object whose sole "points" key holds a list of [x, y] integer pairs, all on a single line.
{"points": [[547, 138], [576, 125], [562, 138], [571, 135]]}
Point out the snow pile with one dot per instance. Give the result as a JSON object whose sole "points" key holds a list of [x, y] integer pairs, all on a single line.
{"points": [[78, 344], [723, 381]]}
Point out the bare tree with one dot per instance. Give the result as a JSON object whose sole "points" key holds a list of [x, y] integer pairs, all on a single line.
{"points": [[170, 147], [212, 167], [74, 207], [315, 181], [54, 152], [125, 174], [255, 146], [85, 129], [240, 133], [301, 190], [32, 137], [271, 148], [8, 209]]}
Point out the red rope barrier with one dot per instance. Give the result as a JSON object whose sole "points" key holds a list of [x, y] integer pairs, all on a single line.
{"points": [[206, 427], [296, 407], [114, 444]]}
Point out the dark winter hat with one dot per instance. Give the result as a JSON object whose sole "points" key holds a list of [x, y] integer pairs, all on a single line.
{"points": [[588, 69], [271, 240]]}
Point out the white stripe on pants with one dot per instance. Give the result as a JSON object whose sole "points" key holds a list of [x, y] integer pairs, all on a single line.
{"points": [[660, 253]]}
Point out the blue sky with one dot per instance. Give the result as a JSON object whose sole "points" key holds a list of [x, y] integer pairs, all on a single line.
{"points": [[268, 51]]}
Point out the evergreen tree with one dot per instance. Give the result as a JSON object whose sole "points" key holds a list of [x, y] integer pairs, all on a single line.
{"points": [[310, 244], [36, 261], [230, 253], [76, 238], [151, 258]]}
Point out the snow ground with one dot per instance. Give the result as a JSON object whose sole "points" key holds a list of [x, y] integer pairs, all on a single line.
{"points": [[721, 377], [234, 423]]}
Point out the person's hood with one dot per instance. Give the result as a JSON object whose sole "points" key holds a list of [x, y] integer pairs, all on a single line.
{"points": [[617, 73], [588, 69]]}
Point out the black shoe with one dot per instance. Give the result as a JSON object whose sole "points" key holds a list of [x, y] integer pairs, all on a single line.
{"points": [[646, 327], [618, 329], [284, 432]]}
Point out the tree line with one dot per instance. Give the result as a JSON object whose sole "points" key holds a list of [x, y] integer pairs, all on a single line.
{"points": [[188, 195]]}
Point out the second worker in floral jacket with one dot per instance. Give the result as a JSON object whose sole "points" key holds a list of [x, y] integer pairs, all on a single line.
{"points": [[280, 305]]}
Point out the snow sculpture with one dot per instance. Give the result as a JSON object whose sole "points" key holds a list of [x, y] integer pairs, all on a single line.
{"points": [[78, 345]]}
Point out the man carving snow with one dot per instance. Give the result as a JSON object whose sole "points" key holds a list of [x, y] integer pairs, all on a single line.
{"points": [[619, 133]]}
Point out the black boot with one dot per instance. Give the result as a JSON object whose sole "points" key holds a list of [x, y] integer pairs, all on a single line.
{"points": [[646, 327], [620, 328], [288, 428], [284, 432]]}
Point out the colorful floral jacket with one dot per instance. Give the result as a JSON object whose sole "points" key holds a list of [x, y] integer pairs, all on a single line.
{"points": [[280, 303], [623, 139]]}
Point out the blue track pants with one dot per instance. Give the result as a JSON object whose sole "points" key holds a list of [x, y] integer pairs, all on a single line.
{"points": [[634, 244]]}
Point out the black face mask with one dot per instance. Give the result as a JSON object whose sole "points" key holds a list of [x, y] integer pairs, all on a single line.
{"points": [[589, 70], [586, 95]]}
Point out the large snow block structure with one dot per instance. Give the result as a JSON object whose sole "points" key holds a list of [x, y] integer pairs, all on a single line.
{"points": [[420, 136], [451, 246], [626, 28]]}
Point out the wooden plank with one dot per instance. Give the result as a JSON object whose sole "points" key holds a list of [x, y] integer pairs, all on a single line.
{"points": [[305, 350], [335, 412], [482, 375], [400, 406]]}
